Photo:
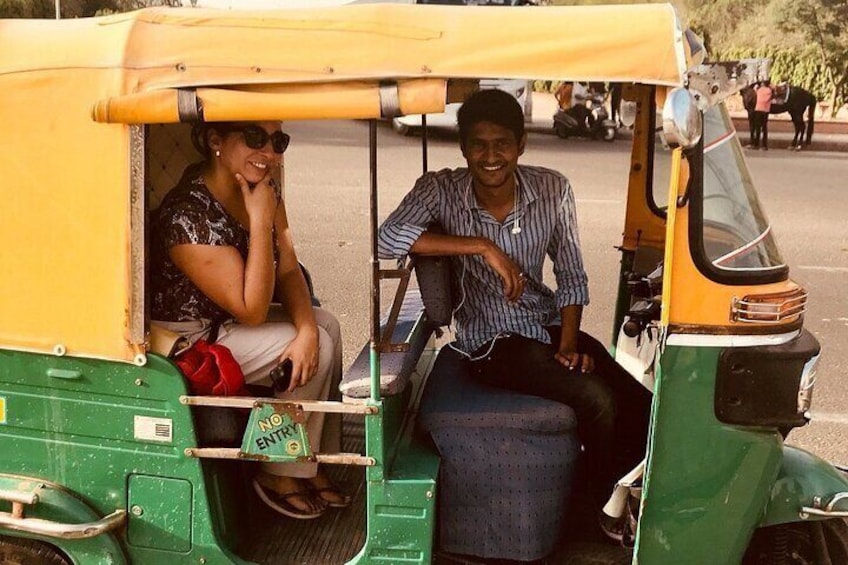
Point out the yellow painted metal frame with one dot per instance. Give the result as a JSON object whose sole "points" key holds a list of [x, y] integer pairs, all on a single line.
{"points": [[691, 301], [694, 302], [642, 227]]}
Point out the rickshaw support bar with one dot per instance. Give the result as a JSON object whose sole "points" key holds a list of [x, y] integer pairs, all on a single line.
{"points": [[235, 453], [59, 530], [828, 511], [324, 406], [807, 511], [28, 498]]}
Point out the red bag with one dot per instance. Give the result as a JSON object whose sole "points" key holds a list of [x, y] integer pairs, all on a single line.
{"points": [[211, 369]]}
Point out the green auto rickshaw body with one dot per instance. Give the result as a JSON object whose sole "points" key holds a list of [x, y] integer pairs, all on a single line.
{"points": [[91, 426], [101, 454]]}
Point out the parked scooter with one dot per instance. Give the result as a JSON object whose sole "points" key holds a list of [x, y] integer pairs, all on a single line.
{"points": [[567, 125]]}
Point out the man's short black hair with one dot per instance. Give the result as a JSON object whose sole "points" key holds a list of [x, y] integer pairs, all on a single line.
{"points": [[495, 106]]}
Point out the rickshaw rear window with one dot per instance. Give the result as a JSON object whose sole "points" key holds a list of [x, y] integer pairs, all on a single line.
{"points": [[734, 241]]}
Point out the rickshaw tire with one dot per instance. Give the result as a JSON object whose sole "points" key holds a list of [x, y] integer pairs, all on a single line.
{"points": [[822, 542], [561, 131], [22, 551]]}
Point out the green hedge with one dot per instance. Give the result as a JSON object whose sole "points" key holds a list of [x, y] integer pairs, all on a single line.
{"points": [[798, 66]]}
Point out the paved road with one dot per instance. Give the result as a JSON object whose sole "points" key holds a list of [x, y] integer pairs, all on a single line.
{"points": [[803, 193]]}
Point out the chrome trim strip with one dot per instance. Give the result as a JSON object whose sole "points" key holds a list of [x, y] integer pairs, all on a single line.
{"points": [[702, 340], [753, 269], [345, 459], [188, 106], [389, 100], [828, 511], [753, 312], [60, 530], [236, 453], [137, 260], [806, 512], [28, 498], [715, 144], [739, 250]]}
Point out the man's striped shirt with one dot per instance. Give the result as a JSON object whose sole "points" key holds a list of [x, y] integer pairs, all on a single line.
{"points": [[546, 214]]}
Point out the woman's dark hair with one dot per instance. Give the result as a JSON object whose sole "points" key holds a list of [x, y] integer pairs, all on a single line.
{"points": [[495, 106], [200, 134]]}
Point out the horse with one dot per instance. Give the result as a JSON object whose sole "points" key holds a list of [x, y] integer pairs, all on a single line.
{"points": [[787, 98]]}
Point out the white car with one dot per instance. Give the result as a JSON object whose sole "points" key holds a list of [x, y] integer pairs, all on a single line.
{"points": [[406, 125]]}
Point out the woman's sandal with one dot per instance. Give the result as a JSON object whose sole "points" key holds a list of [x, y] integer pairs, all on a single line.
{"points": [[613, 528], [344, 499], [279, 502]]}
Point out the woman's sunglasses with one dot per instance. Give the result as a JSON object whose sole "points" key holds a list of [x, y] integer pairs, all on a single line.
{"points": [[256, 138]]}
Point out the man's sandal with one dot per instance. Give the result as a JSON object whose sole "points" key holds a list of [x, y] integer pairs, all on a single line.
{"points": [[279, 502]]}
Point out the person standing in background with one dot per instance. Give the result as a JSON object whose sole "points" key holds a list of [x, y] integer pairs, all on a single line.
{"points": [[765, 95]]}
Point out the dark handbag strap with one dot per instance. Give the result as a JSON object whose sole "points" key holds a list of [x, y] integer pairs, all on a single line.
{"points": [[215, 328]]}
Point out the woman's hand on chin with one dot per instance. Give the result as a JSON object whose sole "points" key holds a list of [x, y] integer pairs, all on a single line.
{"points": [[303, 352], [260, 201]]}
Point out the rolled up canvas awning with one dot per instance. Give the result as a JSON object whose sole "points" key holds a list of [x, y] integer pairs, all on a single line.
{"points": [[349, 100]]}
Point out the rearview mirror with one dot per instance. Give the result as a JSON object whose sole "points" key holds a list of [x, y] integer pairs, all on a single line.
{"points": [[627, 113], [681, 119]]}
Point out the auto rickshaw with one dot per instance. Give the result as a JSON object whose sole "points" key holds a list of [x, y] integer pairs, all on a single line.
{"points": [[103, 457]]}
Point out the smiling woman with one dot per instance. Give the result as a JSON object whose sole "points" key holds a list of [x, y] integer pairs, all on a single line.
{"points": [[221, 252]]}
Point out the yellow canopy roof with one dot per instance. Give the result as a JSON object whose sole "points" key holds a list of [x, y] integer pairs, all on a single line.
{"points": [[71, 227], [158, 49]]}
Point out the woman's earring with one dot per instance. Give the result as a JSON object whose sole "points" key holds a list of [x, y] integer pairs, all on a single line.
{"points": [[217, 153]]}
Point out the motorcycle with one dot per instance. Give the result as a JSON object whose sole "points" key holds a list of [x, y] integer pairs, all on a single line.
{"points": [[567, 123]]}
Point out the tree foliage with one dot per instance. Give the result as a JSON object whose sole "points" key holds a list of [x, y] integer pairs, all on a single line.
{"points": [[807, 40], [74, 8], [27, 9], [822, 24]]}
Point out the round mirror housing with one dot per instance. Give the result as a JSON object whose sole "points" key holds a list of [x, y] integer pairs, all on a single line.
{"points": [[681, 119]]}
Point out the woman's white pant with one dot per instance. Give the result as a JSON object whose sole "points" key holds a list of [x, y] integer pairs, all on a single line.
{"points": [[257, 350]]}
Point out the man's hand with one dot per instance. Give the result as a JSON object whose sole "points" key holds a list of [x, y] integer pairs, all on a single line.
{"points": [[567, 352], [575, 361], [513, 278]]}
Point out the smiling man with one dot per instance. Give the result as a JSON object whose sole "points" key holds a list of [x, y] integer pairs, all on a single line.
{"points": [[498, 221]]}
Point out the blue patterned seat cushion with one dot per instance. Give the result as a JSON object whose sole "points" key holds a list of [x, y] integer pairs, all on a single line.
{"points": [[507, 464], [452, 399]]}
